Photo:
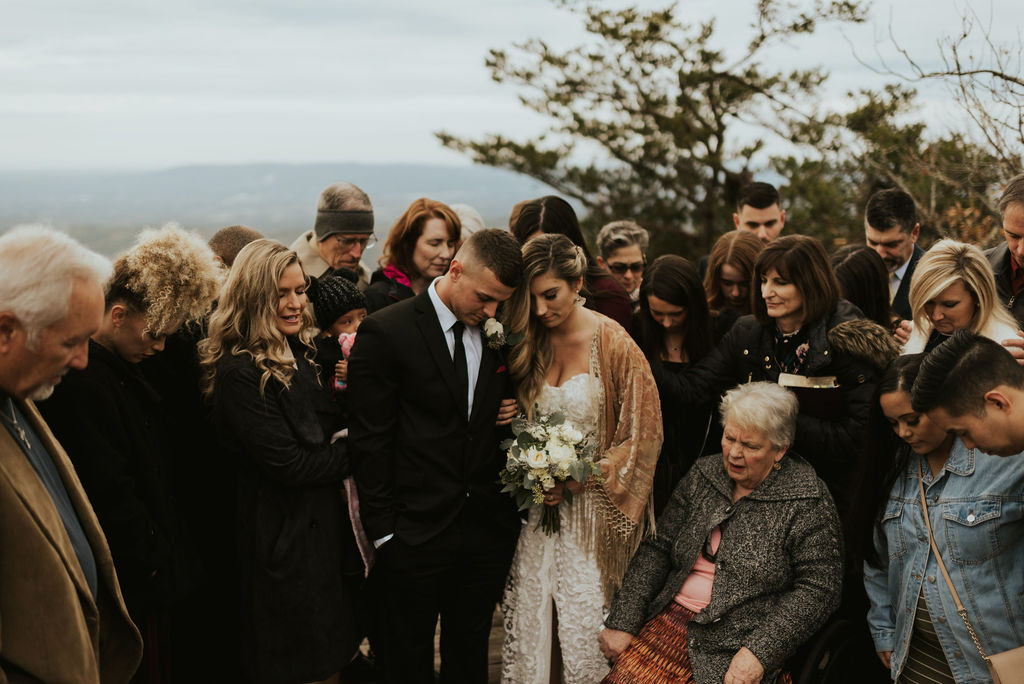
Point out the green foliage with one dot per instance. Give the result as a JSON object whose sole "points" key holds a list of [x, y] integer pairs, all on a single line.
{"points": [[643, 115], [878, 145], [643, 119]]}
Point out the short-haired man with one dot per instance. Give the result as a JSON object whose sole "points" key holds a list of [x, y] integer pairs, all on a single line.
{"points": [[342, 232], [623, 247], [62, 617], [758, 210], [1007, 258], [426, 393], [972, 386], [891, 229]]}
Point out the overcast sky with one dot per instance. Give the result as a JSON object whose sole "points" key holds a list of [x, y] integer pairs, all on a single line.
{"points": [[142, 84]]}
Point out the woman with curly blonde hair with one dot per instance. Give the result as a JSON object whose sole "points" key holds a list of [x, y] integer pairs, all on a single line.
{"points": [[115, 428], [582, 364], [299, 564], [954, 289]]}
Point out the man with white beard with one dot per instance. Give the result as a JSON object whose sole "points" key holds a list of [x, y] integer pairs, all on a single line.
{"points": [[61, 610]]}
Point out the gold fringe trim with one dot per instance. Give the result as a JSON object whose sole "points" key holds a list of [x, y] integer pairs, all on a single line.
{"points": [[608, 535]]}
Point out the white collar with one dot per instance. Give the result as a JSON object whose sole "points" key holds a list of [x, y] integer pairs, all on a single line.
{"points": [[444, 315], [902, 270]]}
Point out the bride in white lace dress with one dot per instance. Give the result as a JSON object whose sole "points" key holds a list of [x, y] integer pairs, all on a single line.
{"points": [[584, 365]]}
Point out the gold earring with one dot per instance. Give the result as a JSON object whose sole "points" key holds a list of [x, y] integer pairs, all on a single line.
{"points": [[777, 466]]}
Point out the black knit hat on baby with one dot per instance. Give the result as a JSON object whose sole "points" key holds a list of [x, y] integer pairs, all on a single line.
{"points": [[332, 297]]}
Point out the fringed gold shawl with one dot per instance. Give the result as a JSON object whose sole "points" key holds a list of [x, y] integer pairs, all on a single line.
{"points": [[615, 516]]}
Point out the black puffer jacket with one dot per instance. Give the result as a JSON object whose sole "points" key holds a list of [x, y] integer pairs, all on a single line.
{"points": [[830, 439]]}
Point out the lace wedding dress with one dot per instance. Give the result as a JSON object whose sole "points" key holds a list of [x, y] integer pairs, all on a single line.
{"points": [[555, 573]]}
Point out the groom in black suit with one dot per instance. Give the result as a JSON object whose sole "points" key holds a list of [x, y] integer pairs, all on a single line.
{"points": [[425, 392]]}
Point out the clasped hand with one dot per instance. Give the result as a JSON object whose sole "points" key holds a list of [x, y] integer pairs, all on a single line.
{"points": [[745, 668], [555, 495]]}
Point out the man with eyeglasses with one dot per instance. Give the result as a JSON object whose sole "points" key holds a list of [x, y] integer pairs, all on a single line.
{"points": [[623, 247], [342, 232]]}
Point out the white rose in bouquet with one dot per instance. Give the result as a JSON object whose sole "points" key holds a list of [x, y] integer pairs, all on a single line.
{"points": [[561, 454], [567, 434], [536, 458]]}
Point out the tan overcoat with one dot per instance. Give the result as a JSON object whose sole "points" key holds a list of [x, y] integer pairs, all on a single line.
{"points": [[51, 628]]}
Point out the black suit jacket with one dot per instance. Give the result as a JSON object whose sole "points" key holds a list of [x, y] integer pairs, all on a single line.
{"points": [[999, 258], [901, 301], [418, 460]]}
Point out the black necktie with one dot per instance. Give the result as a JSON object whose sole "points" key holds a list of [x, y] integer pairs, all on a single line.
{"points": [[459, 359]]}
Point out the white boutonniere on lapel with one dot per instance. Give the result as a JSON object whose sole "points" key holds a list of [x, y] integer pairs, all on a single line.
{"points": [[496, 336]]}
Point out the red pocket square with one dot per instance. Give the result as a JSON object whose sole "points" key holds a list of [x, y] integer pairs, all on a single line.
{"points": [[501, 369]]}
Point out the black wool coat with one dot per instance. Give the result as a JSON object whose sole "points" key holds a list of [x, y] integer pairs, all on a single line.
{"points": [[295, 548], [778, 569], [111, 422]]}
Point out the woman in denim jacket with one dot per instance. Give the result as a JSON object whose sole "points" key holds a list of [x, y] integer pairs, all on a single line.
{"points": [[975, 505]]}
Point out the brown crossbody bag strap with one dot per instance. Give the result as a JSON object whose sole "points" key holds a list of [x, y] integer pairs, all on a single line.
{"points": [[961, 611]]}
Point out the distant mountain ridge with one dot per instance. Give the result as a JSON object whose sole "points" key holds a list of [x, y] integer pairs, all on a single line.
{"points": [[106, 209]]}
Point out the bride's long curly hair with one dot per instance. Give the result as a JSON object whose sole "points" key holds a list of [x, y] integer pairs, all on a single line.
{"points": [[528, 361], [245, 321]]}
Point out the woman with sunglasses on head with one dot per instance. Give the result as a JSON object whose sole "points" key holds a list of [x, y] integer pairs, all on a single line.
{"points": [[975, 513]]}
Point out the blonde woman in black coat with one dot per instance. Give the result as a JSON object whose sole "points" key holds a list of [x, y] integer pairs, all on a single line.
{"points": [[296, 552]]}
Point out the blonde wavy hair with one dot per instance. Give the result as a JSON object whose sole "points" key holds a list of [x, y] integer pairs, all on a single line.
{"points": [[941, 266], [245, 322], [170, 276], [528, 361]]}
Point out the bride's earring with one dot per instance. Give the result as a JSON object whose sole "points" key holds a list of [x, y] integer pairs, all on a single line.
{"points": [[578, 298]]}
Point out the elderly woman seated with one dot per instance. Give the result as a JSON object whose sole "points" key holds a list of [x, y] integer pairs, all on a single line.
{"points": [[746, 563]]}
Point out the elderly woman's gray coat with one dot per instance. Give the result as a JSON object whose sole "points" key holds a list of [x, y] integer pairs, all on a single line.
{"points": [[778, 572]]}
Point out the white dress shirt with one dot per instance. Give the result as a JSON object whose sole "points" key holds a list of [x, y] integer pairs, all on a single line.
{"points": [[896, 277], [471, 340]]}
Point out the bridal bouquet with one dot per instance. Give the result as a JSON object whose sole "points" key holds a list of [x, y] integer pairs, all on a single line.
{"points": [[545, 451]]}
